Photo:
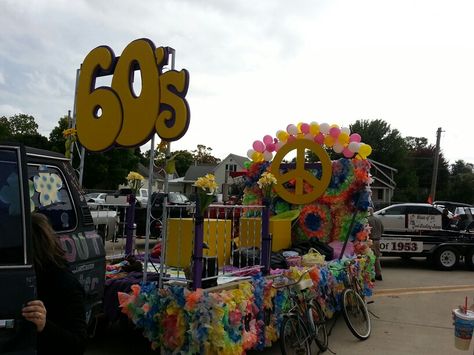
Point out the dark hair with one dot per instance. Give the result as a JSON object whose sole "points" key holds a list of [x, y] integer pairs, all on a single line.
{"points": [[46, 247]]}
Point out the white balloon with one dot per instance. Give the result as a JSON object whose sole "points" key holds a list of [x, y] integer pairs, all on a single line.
{"points": [[267, 156], [353, 147], [338, 147], [308, 136], [346, 130], [250, 153], [278, 145], [324, 128], [292, 129]]}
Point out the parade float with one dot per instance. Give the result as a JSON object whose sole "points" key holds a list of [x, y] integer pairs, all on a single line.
{"points": [[289, 205]]}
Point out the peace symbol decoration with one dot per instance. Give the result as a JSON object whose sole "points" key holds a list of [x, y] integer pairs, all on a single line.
{"points": [[117, 115], [299, 174]]}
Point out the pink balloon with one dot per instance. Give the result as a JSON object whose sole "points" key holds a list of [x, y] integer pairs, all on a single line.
{"points": [[347, 153], [304, 128], [267, 139], [355, 137], [278, 145], [319, 138], [258, 146], [270, 147], [291, 138], [334, 132]]}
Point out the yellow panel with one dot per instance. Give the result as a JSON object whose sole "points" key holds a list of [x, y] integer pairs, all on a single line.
{"points": [[251, 231], [179, 245]]}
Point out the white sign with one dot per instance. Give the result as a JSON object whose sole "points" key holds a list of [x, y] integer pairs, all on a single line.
{"points": [[424, 221], [405, 245]]}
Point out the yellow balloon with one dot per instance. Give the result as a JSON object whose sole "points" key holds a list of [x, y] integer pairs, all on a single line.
{"points": [[365, 150], [300, 136], [299, 126], [334, 125], [314, 128], [343, 138], [257, 156], [282, 135], [329, 141]]}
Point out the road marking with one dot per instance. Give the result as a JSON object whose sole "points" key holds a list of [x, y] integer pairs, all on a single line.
{"points": [[421, 290]]}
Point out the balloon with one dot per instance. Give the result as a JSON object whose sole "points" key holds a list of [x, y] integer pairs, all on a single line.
{"points": [[270, 147], [328, 141], [291, 138], [250, 153], [365, 150], [258, 146], [308, 136], [267, 139], [354, 147], [304, 128], [334, 132], [338, 147], [300, 136], [355, 137], [324, 128], [247, 164], [299, 126], [347, 153], [292, 129], [257, 156], [346, 130], [314, 128], [278, 145], [343, 138], [319, 138], [267, 156]]}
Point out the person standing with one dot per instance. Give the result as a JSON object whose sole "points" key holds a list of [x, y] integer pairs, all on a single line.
{"points": [[59, 310], [376, 231]]}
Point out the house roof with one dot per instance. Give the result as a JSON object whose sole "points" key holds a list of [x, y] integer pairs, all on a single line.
{"points": [[196, 171], [240, 160]]}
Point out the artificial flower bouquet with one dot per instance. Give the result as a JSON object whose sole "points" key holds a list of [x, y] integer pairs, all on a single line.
{"points": [[207, 189], [135, 181]]}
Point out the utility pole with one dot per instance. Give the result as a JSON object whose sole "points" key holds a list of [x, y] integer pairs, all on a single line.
{"points": [[435, 166]]}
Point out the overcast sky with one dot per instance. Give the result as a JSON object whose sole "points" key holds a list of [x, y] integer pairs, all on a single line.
{"points": [[257, 66]]}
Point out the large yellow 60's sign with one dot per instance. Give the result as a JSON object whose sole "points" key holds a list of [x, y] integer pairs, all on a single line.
{"points": [[115, 114]]}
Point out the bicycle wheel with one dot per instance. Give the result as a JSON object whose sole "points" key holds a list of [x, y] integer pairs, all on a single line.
{"points": [[294, 338], [317, 326], [356, 314]]}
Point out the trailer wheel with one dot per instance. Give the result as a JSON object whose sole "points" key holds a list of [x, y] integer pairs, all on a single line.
{"points": [[446, 258], [470, 259]]}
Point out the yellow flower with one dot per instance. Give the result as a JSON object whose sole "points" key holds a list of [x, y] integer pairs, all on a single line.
{"points": [[133, 175], [207, 183], [70, 132], [267, 179]]}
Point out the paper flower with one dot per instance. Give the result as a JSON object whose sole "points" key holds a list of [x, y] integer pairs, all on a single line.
{"points": [[207, 188], [135, 181], [265, 183]]}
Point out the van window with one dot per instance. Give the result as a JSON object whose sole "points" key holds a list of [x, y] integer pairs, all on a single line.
{"points": [[12, 236], [51, 196], [395, 211]]}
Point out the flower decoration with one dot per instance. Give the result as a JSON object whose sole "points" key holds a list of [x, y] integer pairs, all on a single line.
{"points": [[315, 221], [135, 181], [48, 186], [71, 136], [207, 188], [265, 183]]}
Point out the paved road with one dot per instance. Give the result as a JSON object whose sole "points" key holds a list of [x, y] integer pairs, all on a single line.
{"points": [[411, 316]]}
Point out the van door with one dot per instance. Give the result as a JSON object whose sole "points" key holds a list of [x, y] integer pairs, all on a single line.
{"points": [[17, 276]]}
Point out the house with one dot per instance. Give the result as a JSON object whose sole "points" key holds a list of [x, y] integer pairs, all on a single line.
{"points": [[221, 171], [384, 183]]}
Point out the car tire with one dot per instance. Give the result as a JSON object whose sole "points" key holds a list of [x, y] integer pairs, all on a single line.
{"points": [[446, 258], [470, 259]]}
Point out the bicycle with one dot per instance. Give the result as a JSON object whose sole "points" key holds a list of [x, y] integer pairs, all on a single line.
{"points": [[354, 306], [304, 321]]}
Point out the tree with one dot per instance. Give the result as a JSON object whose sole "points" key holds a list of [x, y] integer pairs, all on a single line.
{"points": [[22, 124], [461, 182], [56, 137], [202, 155], [5, 130]]}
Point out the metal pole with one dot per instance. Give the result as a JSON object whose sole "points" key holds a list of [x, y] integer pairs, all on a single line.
{"points": [[435, 165], [164, 229], [148, 206]]}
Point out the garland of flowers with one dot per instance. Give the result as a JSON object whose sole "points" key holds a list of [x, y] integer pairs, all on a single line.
{"points": [[229, 321]]}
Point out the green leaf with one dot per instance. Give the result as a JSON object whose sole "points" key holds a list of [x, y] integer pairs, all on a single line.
{"points": [[290, 215]]}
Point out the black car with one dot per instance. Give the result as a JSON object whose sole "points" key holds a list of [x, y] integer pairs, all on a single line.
{"points": [[179, 206]]}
